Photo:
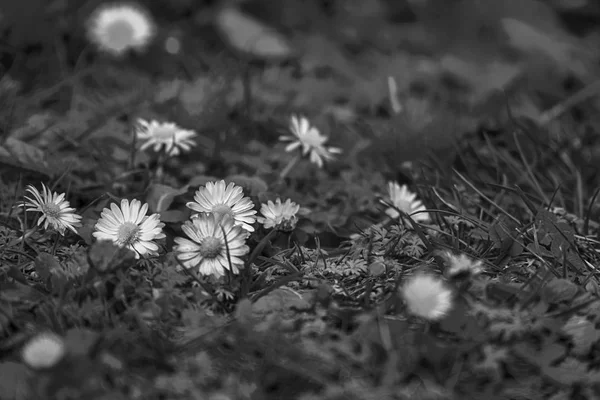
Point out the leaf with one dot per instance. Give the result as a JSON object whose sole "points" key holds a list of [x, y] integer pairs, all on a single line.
{"points": [[201, 180], [484, 80], [46, 266], [105, 256], [86, 230], [558, 291], [583, 333], [206, 96], [248, 35], [161, 196], [524, 37], [545, 356], [168, 90], [252, 185], [44, 263], [569, 372], [279, 299], [80, 341], [18, 154], [243, 311], [376, 268], [15, 292], [503, 232], [561, 237], [173, 216]]}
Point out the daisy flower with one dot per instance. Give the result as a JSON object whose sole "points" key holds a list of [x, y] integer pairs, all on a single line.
{"points": [[164, 134], [279, 215], [210, 236], [43, 351], [130, 227], [116, 28], [310, 140], [215, 197], [462, 265], [427, 297], [55, 210], [403, 199]]}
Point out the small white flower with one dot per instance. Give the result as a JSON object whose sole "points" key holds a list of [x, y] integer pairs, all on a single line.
{"points": [[279, 215], [130, 227], [214, 241], [215, 197], [427, 297], [403, 199], [164, 134], [310, 139], [462, 264], [43, 351], [55, 210], [116, 28]]}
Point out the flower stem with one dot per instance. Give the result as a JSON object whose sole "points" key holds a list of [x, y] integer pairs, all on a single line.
{"points": [[289, 167], [56, 240], [160, 168]]}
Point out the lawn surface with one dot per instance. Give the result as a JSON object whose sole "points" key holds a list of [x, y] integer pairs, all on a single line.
{"points": [[441, 238]]}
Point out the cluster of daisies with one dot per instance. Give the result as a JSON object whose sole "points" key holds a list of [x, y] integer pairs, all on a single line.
{"points": [[221, 221], [222, 217]]}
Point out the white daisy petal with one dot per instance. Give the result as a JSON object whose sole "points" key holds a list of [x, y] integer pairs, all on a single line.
{"points": [[310, 139], [427, 297], [56, 211], [115, 29], [129, 227], [166, 137], [216, 197], [44, 351], [281, 216], [207, 249], [462, 265], [404, 200]]}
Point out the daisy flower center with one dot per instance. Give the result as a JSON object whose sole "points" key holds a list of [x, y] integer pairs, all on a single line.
{"points": [[51, 210], [403, 205], [313, 139], [211, 247], [163, 134], [120, 34], [128, 233], [223, 209]]}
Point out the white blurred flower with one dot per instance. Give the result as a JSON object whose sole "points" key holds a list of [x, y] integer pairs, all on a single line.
{"points": [[279, 215], [462, 265], [403, 199], [215, 197], [44, 350], [116, 28], [427, 297], [164, 134], [310, 140], [55, 210], [130, 227], [214, 241]]}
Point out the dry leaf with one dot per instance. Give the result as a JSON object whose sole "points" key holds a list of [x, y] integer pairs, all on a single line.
{"points": [[248, 35]]}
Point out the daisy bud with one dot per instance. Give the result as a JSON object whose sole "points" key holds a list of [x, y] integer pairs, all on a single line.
{"points": [[121, 27], [43, 351], [427, 297]]}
